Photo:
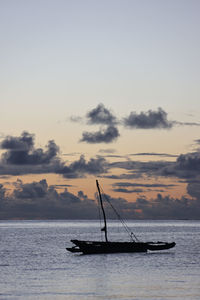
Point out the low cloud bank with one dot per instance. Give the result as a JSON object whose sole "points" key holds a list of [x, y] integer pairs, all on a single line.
{"points": [[38, 200]]}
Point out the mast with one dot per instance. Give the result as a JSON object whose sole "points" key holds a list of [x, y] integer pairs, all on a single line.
{"points": [[104, 215]]}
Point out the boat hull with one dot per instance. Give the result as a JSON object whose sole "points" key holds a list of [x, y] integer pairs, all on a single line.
{"points": [[93, 247], [160, 246], [98, 247]]}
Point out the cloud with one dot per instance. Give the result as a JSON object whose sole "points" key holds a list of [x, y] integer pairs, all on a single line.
{"points": [[23, 143], [154, 154], [186, 166], [21, 151], [154, 185], [33, 190], [148, 120], [82, 167], [186, 123], [76, 119], [124, 187], [107, 151], [71, 154], [114, 156], [160, 207], [93, 166], [126, 176], [193, 188], [138, 168], [61, 186], [107, 135], [38, 200], [101, 115], [2, 191], [169, 208], [22, 157], [124, 190]]}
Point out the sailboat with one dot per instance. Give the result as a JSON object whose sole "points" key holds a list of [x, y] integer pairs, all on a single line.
{"points": [[97, 247]]}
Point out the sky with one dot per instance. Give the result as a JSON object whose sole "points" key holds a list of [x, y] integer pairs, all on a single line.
{"points": [[104, 90]]}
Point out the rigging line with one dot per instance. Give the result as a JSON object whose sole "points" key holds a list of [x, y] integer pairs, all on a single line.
{"points": [[130, 233], [99, 211]]}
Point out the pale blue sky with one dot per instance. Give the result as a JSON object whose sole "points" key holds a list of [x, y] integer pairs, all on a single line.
{"points": [[77, 53]]}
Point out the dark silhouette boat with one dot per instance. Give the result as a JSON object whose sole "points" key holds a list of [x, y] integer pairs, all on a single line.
{"points": [[97, 247]]}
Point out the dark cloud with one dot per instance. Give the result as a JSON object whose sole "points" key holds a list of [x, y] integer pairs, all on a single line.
{"points": [[71, 154], [61, 186], [127, 176], [93, 166], [2, 191], [33, 190], [82, 167], [107, 135], [154, 154], [169, 208], [186, 166], [37, 200], [138, 169], [124, 187], [82, 196], [101, 115], [37, 161], [22, 157], [21, 151], [122, 206], [23, 143], [153, 185], [113, 156], [148, 120], [193, 188], [189, 162], [127, 191]]}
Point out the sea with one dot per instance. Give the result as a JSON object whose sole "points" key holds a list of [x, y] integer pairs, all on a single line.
{"points": [[34, 263]]}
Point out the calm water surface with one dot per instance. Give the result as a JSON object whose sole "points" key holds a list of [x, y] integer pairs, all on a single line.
{"points": [[35, 265]]}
